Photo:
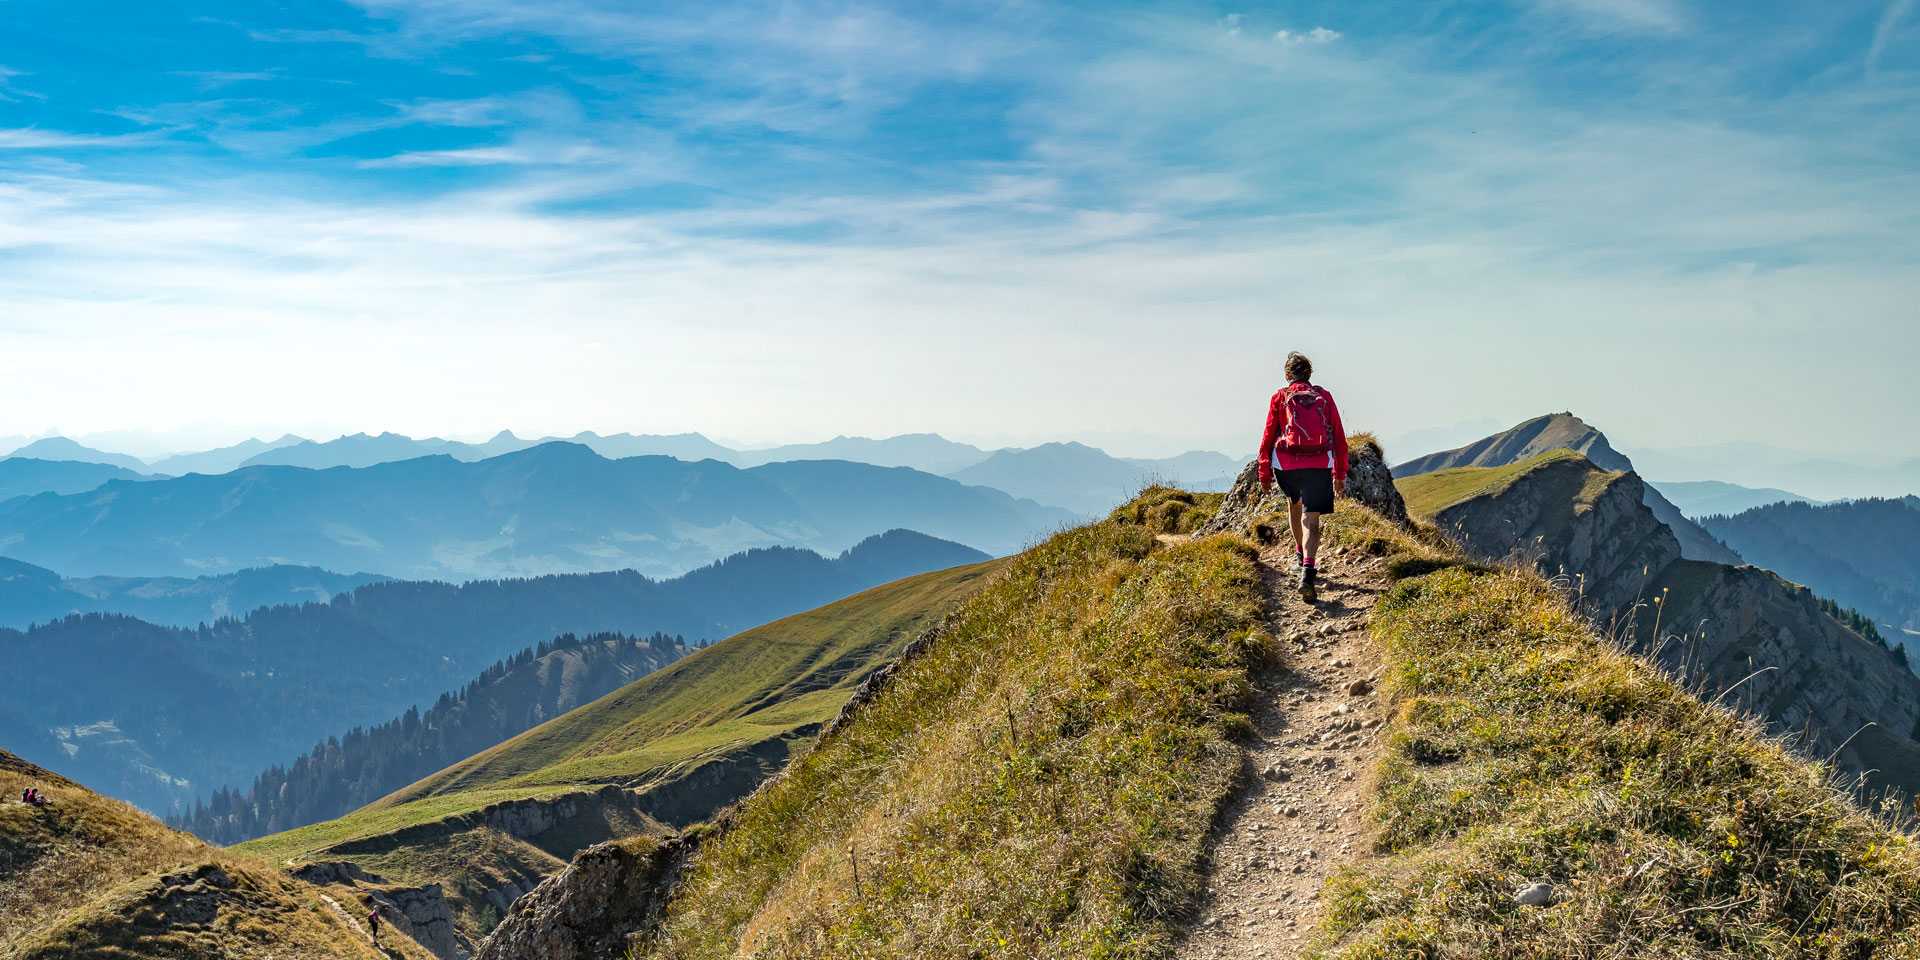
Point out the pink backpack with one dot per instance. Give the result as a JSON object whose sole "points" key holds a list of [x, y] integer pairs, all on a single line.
{"points": [[1309, 427]]}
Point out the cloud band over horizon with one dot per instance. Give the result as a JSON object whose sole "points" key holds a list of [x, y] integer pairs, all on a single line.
{"points": [[1026, 220]]}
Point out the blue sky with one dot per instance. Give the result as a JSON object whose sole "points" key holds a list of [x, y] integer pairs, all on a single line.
{"points": [[1001, 221]]}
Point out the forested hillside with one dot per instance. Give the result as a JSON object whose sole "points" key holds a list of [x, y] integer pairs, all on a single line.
{"points": [[30, 594], [159, 715], [365, 764], [1859, 552]]}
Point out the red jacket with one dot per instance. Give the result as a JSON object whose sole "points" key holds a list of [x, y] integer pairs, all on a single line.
{"points": [[1277, 423]]}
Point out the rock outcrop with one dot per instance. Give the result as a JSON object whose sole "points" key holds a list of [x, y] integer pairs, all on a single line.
{"points": [[1369, 482], [423, 914], [1576, 523], [419, 913], [1738, 633], [609, 893]]}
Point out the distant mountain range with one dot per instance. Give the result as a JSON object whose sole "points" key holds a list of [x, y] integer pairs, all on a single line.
{"points": [[554, 508], [1564, 431], [1863, 554], [1828, 473], [30, 594], [1702, 498], [155, 714], [61, 448], [1088, 481], [27, 476], [1078, 478]]}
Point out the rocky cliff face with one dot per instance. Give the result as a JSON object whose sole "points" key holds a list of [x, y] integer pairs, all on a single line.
{"points": [[1718, 627], [1564, 431], [591, 909], [1569, 520]]}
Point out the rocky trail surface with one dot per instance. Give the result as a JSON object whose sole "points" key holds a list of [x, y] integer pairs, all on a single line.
{"points": [[1317, 723]]}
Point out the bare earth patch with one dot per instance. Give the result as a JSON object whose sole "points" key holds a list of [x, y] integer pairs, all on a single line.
{"points": [[1317, 722]]}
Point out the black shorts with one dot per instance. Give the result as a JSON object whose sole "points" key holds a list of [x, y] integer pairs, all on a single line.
{"points": [[1312, 486]]}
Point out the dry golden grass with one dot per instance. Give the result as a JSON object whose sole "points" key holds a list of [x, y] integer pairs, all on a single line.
{"points": [[83, 878], [1527, 748], [1038, 784]]}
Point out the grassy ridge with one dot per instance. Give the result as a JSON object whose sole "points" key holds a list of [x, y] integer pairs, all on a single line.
{"points": [[83, 878], [1428, 494], [1527, 749], [1037, 784]]}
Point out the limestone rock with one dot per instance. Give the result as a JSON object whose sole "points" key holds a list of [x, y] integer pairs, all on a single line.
{"points": [[1534, 895], [1369, 482], [589, 910]]}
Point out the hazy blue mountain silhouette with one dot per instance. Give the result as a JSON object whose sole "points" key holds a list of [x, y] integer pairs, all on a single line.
{"points": [[928, 452], [357, 450], [30, 594], [1702, 498], [26, 476], [558, 507], [61, 448], [680, 446], [1085, 479], [220, 459]]}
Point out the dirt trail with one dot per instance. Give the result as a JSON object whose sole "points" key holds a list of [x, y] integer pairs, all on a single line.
{"points": [[1302, 815], [364, 939]]}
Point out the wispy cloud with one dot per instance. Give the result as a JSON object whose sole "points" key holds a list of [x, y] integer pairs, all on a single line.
{"points": [[1890, 20], [1318, 35], [721, 212], [1621, 16], [33, 138], [215, 79]]}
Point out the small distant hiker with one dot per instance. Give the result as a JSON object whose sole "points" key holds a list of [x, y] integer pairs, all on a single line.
{"points": [[1304, 448], [373, 923]]}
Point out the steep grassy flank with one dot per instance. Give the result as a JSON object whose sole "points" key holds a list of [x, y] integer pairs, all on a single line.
{"points": [[1430, 493], [93, 877], [1526, 749], [755, 686], [735, 712], [1037, 783]]}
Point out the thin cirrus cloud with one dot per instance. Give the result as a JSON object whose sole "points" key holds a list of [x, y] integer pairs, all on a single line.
{"points": [[785, 221]]}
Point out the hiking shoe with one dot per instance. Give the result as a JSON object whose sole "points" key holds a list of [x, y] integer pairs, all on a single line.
{"points": [[1308, 580]]}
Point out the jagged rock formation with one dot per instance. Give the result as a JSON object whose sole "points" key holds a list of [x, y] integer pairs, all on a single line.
{"points": [[590, 909], [1717, 627], [1564, 431], [421, 913], [1369, 482], [1570, 520]]}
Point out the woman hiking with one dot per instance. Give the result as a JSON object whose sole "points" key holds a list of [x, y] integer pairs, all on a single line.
{"points": [[1304, 448]]}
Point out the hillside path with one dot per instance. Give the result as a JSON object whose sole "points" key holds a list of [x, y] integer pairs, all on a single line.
{"points": [[1301, 815], [362, 937]]}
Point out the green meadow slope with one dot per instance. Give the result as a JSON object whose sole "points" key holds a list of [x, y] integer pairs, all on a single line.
{"points": [[670, 748]]}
